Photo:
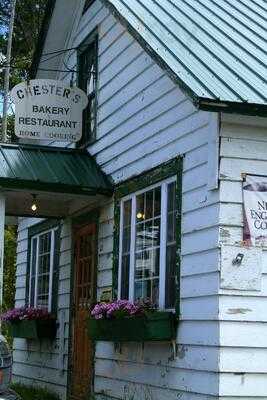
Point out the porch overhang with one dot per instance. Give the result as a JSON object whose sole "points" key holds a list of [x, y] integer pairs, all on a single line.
{"points": [[57, 177]]}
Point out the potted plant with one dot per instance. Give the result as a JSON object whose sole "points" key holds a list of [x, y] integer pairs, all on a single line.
{"points": [[123, 321], [30, 323]]}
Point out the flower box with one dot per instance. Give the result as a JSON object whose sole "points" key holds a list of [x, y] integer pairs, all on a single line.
{"points": [[154, 326], [34, 329]]}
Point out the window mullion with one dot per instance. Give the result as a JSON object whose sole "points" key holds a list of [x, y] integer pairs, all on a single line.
{"points": [[52, 249], [163, 241], [36, 272], [120, 248], [132, 250]]}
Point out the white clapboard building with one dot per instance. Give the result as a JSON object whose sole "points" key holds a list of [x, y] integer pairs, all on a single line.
{"points": [[149, 202]]}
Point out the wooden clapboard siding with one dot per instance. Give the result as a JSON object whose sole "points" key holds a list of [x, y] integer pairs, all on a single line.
{"points": [[45, 363], [242, 333], [143, 121]]}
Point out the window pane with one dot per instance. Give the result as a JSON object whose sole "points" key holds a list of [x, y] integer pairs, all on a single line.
{"points": [[92, 119], [127, 213], [157, 201], [171, 270], [125, 267], [147, 289], [126, 240], [140, 208], [149, 204], [126, 244], [33, 272], [148, 234], [147, 245], [88, 83], [147, 264], [91, 77], [43, 270]]}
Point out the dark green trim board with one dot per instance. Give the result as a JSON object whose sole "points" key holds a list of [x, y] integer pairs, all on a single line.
{"points": [[27, 286], [55, 282], [179, 196], [42, 227], [87, 218], [116, 247], [148, 178], [259, 110], [140, 182]]}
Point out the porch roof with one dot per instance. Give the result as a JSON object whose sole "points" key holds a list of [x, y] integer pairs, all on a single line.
{"points": [[51, 169]]}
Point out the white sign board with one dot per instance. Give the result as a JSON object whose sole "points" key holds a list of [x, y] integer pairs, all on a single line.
{"points": [[255, 210], [47, 109]]}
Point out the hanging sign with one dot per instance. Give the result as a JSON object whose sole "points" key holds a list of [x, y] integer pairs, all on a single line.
{"points": [[47, 109], [255, 210]]}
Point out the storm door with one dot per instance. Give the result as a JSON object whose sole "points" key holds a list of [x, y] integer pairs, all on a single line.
{"points": [[84, 293]]}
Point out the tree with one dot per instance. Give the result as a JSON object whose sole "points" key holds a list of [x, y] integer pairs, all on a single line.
{"points": [[9, 284], [28, 20], [9, 267], [27, 25]]}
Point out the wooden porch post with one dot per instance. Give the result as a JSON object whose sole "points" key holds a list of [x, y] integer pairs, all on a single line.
{"points": [[2, 237]]}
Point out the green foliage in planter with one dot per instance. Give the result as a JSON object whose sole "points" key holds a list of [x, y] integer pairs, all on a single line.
{"points": [[33, 393], [155, 326]]}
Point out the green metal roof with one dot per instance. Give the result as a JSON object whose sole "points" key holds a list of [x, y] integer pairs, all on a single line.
{"points": [[51, 169], [215, 49]]}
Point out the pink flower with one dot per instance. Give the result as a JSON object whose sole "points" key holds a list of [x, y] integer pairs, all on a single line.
{"points": [[119, 309], [25, 313]]}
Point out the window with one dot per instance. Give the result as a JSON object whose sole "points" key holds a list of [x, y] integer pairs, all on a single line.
{"points": [[87, 81], [43, 268], [148, 246]]}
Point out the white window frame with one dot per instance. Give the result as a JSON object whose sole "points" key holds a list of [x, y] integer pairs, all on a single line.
{"points": [[51, 270], [163, 239]]}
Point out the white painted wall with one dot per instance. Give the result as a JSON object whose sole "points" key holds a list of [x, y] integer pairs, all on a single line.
{"points": [[143, 121], [45, 363], [243, 316]]}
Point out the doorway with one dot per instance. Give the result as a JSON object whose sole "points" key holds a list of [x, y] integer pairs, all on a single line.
{"points": [[84, 293]]}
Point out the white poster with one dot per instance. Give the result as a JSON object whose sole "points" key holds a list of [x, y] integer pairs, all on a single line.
{"points": [[47, 109], [255, 210]]}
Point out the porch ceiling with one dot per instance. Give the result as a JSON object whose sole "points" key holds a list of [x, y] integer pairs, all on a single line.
{"points": [[59, 177]]}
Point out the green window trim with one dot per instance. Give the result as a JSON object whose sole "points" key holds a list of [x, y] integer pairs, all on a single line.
{"points": [[140, 182], [42, 226], [37, 229]]}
